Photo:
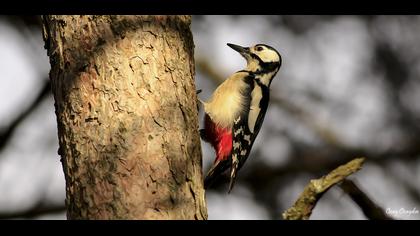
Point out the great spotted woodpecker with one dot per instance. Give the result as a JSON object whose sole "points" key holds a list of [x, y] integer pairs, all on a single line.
{"points": [[235, 112]]}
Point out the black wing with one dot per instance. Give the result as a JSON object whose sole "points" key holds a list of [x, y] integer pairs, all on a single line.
{"points": [[263, 104], [243, 138]]}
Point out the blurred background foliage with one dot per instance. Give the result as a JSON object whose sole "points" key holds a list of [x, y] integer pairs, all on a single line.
{"points": [[349, 87]]}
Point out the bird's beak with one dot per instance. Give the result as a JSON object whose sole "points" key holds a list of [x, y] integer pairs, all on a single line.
{"points": [[239, 49]]}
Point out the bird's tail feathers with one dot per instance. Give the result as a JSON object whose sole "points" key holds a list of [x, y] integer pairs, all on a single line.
{"points": [[233, 171], [215, 171]]}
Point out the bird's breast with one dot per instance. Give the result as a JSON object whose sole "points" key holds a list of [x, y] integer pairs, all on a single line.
{"points": [[226, 102]]}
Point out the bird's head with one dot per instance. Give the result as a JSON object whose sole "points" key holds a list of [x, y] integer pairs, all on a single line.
{"points": [[259, 57]]}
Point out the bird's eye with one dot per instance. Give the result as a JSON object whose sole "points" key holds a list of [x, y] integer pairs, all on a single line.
{"points": [[259, 48]]}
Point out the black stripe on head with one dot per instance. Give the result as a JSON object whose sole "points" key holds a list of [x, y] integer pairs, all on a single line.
{"points": [[273, 67], [267, 67]]}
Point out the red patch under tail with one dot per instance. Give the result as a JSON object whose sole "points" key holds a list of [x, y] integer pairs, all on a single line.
{"points": [[219, 138]]}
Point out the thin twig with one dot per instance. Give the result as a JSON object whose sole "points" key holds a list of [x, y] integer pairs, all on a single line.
{"points": [[369, 208], [6, 133]]}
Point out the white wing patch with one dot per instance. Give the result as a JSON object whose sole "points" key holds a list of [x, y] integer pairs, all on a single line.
{"points": [[236, 145], [256, 96], [248, 138], [237, 132]]}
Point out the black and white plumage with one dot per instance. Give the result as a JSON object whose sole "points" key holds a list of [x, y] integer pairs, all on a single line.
{"points": [[236, 110]]}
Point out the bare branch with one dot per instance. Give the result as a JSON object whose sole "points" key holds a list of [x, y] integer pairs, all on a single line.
{"points": [[302, 209], [204, 66], [37, 210], [6, 134], [369, 208]]}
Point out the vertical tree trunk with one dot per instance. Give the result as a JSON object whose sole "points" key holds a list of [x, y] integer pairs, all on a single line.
{"points": [[127, 116]]}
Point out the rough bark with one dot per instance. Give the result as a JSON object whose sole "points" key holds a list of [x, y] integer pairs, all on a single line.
{"points": [[127, 116]]}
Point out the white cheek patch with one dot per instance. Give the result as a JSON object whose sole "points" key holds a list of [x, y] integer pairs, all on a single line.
{"points": [[268, 55]]}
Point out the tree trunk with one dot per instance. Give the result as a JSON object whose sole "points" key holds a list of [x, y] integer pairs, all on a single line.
{"points": [[127, 117]]}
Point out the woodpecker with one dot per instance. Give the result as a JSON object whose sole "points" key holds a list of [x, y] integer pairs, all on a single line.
{"points": [[236, 110]]}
